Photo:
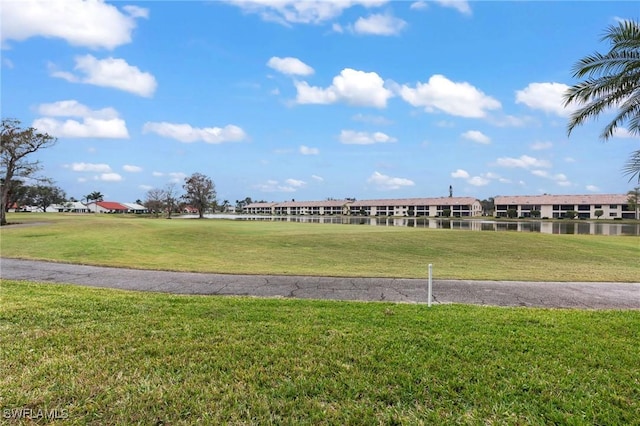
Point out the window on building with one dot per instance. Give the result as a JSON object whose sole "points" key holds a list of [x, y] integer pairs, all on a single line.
{"points": [[613, 206]]}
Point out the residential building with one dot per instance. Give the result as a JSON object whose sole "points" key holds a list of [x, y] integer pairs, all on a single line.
{"points": [[135, 208], [454, 206], [612, 206], [107, 207], [434, 207]]}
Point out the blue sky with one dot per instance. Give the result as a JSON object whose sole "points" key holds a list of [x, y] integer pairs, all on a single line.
{"points": [[308, 100]]}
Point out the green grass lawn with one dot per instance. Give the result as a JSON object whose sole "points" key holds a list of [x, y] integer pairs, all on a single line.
{"points": [[116, 357], [321, 249]]}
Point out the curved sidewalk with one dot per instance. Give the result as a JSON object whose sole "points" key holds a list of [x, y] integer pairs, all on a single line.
{"points": [[496, 293]]}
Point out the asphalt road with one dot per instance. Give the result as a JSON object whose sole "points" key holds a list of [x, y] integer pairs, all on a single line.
{"points": [[579, 295]]}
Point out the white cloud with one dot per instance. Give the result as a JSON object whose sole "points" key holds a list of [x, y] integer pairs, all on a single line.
{"points": [[459, 99], [110, 72], [177, 177], [290, 185], [524, 161], [559, 178], [379, 24], [317, 178], [136, 12], [73, 108], [547, 97], [460, 174], [90, 167], [476, 136], [384, 182], [102, 123], [295, 183], [539, 146], [481, 180], [372, 119], [353, 87], [157, 174], [131, 169], [146, 187], [478, 181], [305, 150], [624, 133], [592, 188], [290, 66], [110, 177], [351, 137], [93, 24], [187, 133], [287, 12], [461, 6], [419, 5]]}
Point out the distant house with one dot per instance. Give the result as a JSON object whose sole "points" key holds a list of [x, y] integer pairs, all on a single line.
{"points": [[68, 207], [135, 208], [612, 206], [189, 210], [107, 207]]}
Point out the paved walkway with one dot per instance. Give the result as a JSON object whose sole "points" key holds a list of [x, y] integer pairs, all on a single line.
{"points": [[497, 293]]}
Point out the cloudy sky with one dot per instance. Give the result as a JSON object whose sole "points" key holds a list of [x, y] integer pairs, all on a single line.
{"points": [[279, 99]]}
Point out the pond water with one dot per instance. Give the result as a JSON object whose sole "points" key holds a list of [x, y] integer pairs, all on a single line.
{"points": [[587, 227]]}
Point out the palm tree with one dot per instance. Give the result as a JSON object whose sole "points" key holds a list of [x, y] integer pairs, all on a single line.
{"points": [[94, 196], [612, 81]]}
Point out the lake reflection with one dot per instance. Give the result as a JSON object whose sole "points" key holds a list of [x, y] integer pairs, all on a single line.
{"points": [[546, 227]]}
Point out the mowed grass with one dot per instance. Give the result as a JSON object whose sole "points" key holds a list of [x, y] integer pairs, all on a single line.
{"points": [[225, 246], [116, 357]]}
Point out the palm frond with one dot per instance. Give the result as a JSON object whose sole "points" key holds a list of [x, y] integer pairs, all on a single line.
{"points": [[632, 166]]}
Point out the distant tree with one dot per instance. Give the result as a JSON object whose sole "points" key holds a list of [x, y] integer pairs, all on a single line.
{"points": [[240, 204], [633, 200], [170, 199], [16, 144], [535, 213], [154, 201], [44, 196], [17, 193], [200, 192], [598, 213], [571, 214], [446, 212], [488, 206], [94, 196], [225, 205], [512, 213]]}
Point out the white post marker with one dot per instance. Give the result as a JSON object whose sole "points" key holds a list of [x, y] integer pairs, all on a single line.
{"points": [[429, 286]]}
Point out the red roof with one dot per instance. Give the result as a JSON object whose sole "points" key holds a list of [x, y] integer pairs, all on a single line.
{"points": [[110, 205]]}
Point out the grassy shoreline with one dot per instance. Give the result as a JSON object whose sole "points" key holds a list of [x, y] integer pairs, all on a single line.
{"points": [[117, 357], [239, 247]]}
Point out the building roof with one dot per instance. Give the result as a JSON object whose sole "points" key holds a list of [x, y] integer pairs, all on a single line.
{"points": [[134, 206], [561, 199], [324, 203], [259, 205], [440, 201], [111, 205]]}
